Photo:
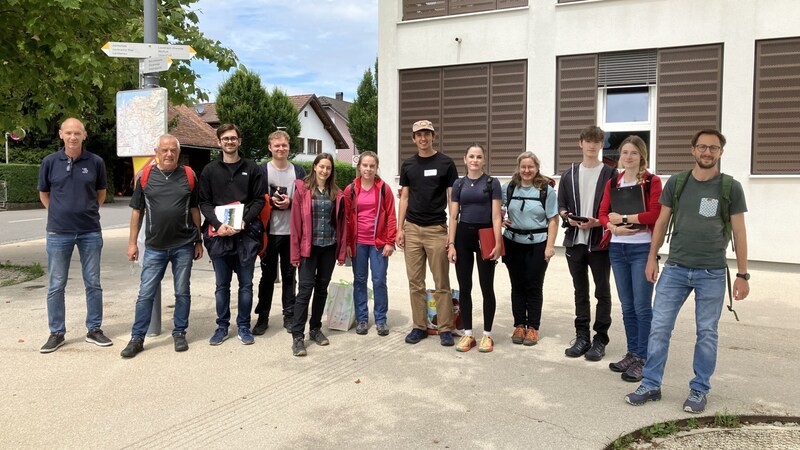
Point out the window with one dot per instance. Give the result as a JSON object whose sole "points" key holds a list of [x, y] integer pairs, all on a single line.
{"points": [[422, 9], [302, 141], [623, 112], [314, 146], [776, 107], [483, 103]]}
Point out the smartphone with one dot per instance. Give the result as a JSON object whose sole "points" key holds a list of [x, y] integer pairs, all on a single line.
{"points": [[577, 218], [278, 191]]}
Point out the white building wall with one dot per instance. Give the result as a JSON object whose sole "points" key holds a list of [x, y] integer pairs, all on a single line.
{"points": [[545, 30], [311, 127]]}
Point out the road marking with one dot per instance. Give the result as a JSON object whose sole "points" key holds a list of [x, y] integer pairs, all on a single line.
{"points": [[25, 220]]}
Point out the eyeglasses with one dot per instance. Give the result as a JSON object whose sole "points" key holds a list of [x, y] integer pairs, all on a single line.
{"points": [[69, 164], [712, 148], [229, 139]]}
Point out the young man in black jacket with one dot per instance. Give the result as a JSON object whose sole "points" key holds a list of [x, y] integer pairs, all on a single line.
{"points": [[232, 178], [579, 193]]}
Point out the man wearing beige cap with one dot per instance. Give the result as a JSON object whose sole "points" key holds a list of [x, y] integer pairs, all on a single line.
{"points": [[425, 183]]}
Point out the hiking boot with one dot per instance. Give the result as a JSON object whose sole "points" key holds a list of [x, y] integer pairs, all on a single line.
{"points": [[531, 337], [133, 348], [634, 372], [180, 342], [97, 337], [643, 395], [446, 339], [415, 336], [287, 324], [262, 324], [487, 344], [299, 347], [219, 336], [53, 343], [465, 344], [317, 336], [695, 403], [245, 336], [597, 351], [623, 364], [579, 346], [362, 327], [383, 329], [518, 337]]}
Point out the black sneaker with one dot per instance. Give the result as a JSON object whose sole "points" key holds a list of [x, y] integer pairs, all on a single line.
{"points": [[415, 336], [180, 342], [317, 336], [634, 372], [53, 343], [579, 347], [287, 324], [299, 347], [597, 351], [446, 339], [623, 364], [97, 337], [362, 327], [261, 325], [133, 348]]}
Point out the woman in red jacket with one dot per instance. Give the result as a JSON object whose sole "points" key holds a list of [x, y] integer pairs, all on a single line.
{"points": [[371, 230], [628, 252], [317, 242]]}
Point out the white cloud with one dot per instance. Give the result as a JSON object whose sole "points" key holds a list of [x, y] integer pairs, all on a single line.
{"points": [[300, 46]]}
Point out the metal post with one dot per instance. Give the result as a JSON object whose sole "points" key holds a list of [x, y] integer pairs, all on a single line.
{"points": [[151, 80], [6, 147]]}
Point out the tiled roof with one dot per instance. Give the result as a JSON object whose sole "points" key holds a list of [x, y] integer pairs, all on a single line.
{"points": [[340, 106], [191, 130], [299, 101]]}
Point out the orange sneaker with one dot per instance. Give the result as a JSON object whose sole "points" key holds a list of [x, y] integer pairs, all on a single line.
{"points": [[487, 345], [518, 336], [465, 343], [531, 337]]}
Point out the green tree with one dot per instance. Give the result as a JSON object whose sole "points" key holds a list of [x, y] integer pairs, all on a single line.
{"points": [[363, 115], [283, 115], [243, 101], [52, 66]]}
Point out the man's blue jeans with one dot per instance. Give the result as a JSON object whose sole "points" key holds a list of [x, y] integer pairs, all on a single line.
{"points": [[673, 287], [153, 267], [224, 267], [628, 262], [368, 257], [59, 254]]}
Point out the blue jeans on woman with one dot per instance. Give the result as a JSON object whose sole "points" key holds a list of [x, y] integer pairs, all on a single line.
{"points": [[368, 257], [59, 253], [154, 264], [673, 288], [628, 261]]}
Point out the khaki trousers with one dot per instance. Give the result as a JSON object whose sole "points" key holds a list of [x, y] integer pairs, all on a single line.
{"points": [[427, 244]]}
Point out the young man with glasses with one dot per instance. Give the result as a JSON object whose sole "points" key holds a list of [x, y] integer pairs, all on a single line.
{"points": [[697, 262], [72, 186], [232, 179]]}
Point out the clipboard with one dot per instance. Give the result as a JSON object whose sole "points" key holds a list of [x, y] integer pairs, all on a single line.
{"points": [[629, 200]]}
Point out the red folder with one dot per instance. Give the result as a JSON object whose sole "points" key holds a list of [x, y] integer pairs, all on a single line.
{"points": [[487, 243]]}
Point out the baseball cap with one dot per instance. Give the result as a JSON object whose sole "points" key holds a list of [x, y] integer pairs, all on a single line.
{"points": [[422, 125]]}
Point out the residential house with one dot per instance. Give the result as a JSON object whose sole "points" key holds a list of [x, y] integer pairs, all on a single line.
{"points": [[530, 74], [337, 108]]}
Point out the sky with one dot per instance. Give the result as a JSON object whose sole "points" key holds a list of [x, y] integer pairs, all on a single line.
{"points": [[301, 46]]}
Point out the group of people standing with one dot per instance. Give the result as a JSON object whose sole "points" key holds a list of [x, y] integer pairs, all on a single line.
{"points": [[304, 224]]}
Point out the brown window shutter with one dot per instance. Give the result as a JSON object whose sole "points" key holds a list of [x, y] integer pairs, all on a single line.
{"points": [[576, 105], [469, 6], [689, 99], [507, 116], [503, 4], [419, 9], [465, 109], [420, 98], [776, 107]]}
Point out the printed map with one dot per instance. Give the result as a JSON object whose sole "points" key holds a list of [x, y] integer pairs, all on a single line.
{"points": [[141, 119]]}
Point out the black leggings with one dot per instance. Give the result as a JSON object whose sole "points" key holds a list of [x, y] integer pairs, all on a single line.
{"points": [[526, 269], [467, 246]]}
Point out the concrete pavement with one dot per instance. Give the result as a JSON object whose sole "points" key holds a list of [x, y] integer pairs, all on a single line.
{"points": [[365, 391]]}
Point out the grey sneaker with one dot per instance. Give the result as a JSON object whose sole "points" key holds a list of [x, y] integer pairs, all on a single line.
{"points": [[133, 348], [634, 372], [643, 395], [299, 347], [362, 327], [97, 337], [53, 343], [317, 336], [623, 364], [180, 342], [383, 329], [695, 403]]}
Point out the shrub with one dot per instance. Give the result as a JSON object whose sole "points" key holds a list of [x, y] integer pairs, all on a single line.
{"points": [[21, 181]]}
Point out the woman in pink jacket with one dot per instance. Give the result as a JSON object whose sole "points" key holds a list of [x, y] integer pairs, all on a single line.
{"points": [[318, 241], [371, 230]]}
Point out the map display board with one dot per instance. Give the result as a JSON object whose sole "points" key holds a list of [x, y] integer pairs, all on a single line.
{"points": [[141, 119]]}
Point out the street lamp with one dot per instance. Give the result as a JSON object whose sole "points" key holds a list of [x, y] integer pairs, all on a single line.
{"points": [[16, 135]]}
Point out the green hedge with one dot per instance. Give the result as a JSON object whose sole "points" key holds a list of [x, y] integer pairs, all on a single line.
{"points": [[345, 172], [21, 180]]}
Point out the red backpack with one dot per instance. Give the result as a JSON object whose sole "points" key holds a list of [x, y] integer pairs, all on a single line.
{"points": [[144, 174]]}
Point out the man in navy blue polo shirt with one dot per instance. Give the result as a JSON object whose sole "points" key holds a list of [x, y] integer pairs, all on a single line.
{"points": [[72, 186]]}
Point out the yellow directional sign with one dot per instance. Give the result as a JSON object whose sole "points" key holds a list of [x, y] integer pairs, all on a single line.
{"points": [[142, 51]]}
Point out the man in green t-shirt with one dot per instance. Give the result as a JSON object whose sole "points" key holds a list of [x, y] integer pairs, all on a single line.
{"points": [[696, 262]]}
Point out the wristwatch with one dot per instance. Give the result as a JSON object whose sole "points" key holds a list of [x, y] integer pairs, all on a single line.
{"points": [[745, 275], [625, 218]]}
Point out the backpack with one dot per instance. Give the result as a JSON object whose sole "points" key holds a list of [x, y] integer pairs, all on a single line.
{"points": [[487, 189], [144, 174], [542, 195]]}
